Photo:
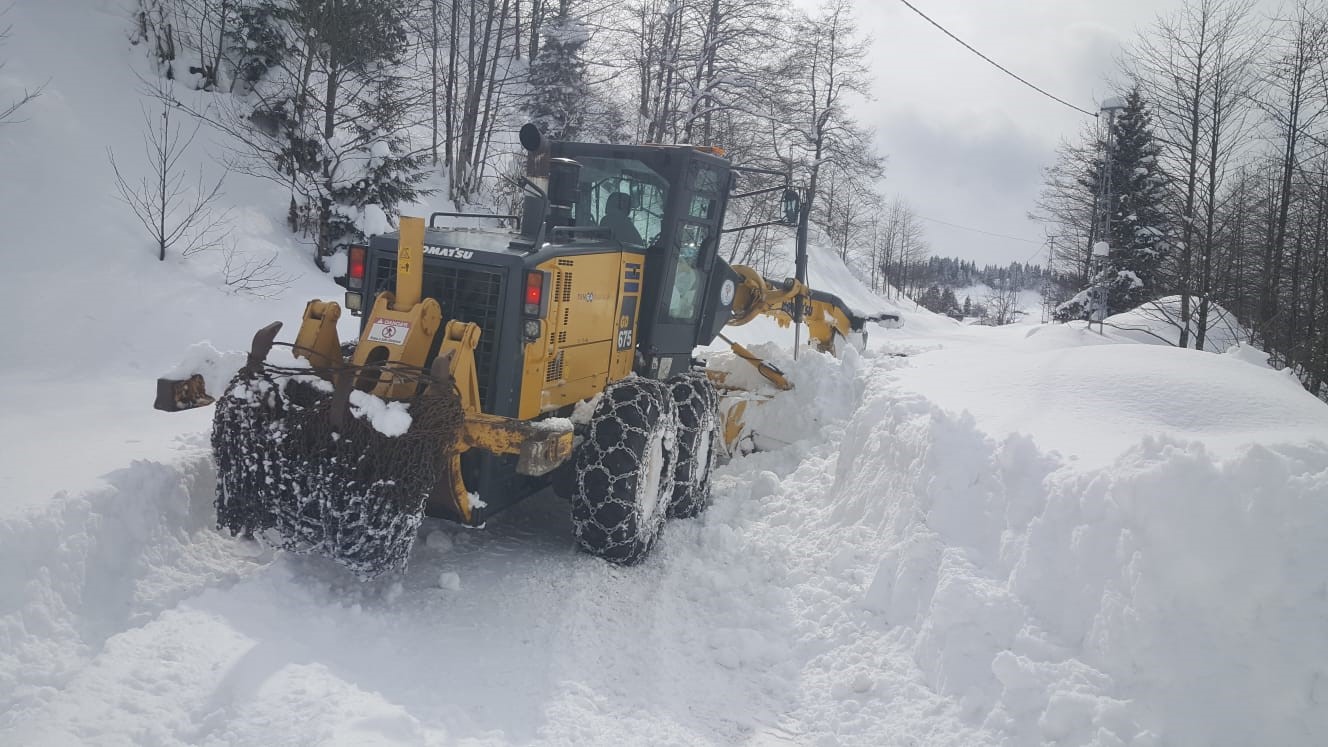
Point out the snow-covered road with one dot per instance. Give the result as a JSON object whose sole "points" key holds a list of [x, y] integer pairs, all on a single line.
{"points": [[899, 574]]}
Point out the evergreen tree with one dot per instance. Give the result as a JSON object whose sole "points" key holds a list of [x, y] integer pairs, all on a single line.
{"points": [[386, 172], [949, 303], [559, 94], [329, 108], [1137, 226]]}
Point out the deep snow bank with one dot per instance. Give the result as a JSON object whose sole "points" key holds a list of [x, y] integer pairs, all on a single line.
{"points": [[1160, 322], [83, 568], [1172, 597], [1092, 397]]}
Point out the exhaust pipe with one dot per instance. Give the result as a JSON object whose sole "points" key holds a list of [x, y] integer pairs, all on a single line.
{"points": [[555, 182], [535, 207]]}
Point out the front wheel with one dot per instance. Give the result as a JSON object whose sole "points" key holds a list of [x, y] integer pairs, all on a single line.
{"points": [[624, 471]]}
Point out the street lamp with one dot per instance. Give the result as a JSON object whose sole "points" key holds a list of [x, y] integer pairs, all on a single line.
{"points": [[791, 204]]}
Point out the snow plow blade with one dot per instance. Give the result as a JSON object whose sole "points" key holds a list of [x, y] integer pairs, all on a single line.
{"points": [[302, 464]]}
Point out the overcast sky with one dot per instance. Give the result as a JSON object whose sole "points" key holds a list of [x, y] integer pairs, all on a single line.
{"points": [[965, 143]]}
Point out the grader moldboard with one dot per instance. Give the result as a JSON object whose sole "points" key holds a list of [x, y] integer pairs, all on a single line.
{"points": [[497, 343]]}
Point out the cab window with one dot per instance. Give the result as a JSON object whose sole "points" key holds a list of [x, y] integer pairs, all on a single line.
{"points": [[624, 196], [685, 298]]}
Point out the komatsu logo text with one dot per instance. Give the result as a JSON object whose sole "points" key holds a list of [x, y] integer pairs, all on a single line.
{"points": [[448, 251]]}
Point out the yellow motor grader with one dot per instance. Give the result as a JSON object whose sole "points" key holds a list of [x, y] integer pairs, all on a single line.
{"points": [[493, 363]]}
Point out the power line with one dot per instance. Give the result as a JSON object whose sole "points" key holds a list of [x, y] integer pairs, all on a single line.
{"points": [[996, 64], [979, 230]]}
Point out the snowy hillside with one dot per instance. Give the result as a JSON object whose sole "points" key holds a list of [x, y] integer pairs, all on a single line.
{"points": [[961, 536]]}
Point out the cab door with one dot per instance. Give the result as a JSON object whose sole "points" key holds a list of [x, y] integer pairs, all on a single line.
{"points": [[687, 267]]}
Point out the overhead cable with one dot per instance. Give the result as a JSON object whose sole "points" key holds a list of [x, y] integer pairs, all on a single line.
{"points": [[994, 63], [979, 230]]}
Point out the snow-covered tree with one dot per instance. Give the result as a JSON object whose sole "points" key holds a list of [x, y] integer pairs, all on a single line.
{"points": [[326, 110], [559, 93], [1138, 229], [1132, 198]]}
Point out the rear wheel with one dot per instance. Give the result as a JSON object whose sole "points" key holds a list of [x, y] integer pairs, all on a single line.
{"points": [[698, 441], [624, 469]]}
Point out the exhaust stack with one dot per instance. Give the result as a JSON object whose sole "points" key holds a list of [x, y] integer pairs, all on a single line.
{"points": [[554, 182], [535, 207]]}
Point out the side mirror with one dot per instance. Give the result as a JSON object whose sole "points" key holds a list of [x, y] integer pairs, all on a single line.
{"points": [[792, 204]]}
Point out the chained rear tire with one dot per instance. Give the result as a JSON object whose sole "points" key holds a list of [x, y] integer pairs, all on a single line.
{"points": [[698, 443], [624, 471]]}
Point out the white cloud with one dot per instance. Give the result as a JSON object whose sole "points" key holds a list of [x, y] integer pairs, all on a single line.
{"points": [[967, 143]]}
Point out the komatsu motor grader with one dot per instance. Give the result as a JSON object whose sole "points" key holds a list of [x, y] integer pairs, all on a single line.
{"points": [[493, 363]]}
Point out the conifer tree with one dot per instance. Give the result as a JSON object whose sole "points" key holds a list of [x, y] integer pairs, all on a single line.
{"points": [[1136, 225], [948, 301], [559, 93]]}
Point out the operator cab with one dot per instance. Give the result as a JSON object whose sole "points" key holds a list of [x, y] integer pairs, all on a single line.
{"points": [[667, 202]]}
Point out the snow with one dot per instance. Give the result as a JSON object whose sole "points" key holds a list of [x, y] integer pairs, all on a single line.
{"points": [[216, 367], [1159, 322], [962, 535], [388, 418]]}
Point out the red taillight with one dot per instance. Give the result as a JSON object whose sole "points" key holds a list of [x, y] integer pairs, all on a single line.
{"points": [[534, 291], [355, 267]]}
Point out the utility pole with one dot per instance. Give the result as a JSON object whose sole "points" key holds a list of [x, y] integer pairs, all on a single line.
{"points": [[1046, 280], [800, 268], [1102, 206]]}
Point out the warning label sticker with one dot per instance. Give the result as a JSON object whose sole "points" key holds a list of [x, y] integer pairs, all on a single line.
{"points": [[390, 331]]}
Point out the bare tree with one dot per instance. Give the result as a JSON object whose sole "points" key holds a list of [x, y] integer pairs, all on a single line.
{"points": [[1293, 103], [8, 111], [1067, 207], [845, 213], [1195, 67], [1002, 304], [901, 248], [173, 213], [254, 276], [824, 70]]}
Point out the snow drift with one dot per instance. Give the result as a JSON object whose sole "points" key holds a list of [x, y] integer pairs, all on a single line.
{"points": [[1168, 598]]}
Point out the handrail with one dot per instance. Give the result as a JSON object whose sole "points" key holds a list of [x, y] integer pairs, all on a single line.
{"points": [[469, 215]]}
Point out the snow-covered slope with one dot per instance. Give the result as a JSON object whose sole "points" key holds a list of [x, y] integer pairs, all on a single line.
{"points": [[98, 316], [968, 536]]}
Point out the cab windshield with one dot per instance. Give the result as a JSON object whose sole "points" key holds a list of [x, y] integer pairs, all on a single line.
{"points": [[624, 196]]}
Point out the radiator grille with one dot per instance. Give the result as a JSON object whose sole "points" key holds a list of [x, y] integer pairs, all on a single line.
{"points": [[465, 293]]}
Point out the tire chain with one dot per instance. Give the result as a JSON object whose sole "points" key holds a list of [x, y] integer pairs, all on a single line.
{"points": [[611, 517], [697, 402], [285, 477]]}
